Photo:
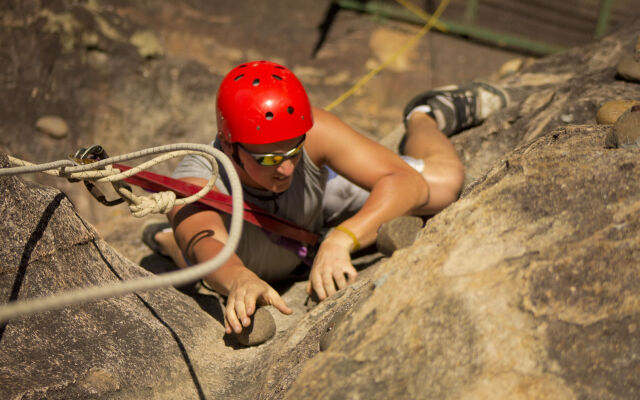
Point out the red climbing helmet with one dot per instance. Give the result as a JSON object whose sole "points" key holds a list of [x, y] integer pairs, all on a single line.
{"points": [[262, 102]]}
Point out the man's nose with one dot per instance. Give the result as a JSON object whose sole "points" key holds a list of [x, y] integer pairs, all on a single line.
{"points": [[286, 167]]}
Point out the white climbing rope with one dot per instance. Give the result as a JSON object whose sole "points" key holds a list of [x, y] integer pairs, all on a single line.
{"points": [[90, 170], [67, 168]]}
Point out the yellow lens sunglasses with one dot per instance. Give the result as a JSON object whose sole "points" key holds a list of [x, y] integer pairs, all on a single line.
{"points": [[271, 159]]}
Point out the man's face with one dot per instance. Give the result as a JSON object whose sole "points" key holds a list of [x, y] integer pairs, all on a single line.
{"points": [[275, 178]]}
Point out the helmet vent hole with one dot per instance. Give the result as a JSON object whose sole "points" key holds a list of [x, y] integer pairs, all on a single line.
{"points": [[279, 67], [269, 116], [277, 77], [237, 78], [256, 82], [290, 110]]}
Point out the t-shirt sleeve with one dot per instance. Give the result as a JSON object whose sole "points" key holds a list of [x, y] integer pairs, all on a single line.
{"points": [[193, 166]]}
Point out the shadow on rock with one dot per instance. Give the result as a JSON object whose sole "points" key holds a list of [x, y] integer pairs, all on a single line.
{"points": [[209, 302]]}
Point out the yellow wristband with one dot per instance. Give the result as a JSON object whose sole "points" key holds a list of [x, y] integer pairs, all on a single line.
{"points": [[356, 244]]}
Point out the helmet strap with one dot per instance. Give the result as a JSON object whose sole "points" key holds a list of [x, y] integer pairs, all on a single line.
{"points": [[236, 156]]}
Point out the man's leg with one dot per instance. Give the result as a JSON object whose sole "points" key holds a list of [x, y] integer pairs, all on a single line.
{"points": [[168, 244], [443, 169], [163, 242], [432, 116]]}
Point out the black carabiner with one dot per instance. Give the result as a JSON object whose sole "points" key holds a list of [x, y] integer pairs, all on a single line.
{"points": [[90, 155]]}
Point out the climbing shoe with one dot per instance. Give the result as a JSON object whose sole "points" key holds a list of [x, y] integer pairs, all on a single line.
{"points": [[149, 235], [456, 108]]}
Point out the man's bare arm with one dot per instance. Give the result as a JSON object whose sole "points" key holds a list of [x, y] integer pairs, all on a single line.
{"points": [[200, 233]]}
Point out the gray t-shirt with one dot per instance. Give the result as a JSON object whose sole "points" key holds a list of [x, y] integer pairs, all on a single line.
{"points": [[300, 204]]}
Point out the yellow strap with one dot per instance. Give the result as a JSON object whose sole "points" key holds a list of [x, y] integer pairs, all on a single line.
{"points": [[431, 22], [356, 244]]}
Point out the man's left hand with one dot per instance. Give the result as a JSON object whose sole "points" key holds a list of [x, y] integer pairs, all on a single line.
{"points": [[332, 270]]}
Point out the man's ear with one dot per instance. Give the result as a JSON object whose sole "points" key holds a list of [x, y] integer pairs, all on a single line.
{"points": [[226, 146], [230, 150]]}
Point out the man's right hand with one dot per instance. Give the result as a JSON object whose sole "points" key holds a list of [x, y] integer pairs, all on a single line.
{"points": [[247, 291]]}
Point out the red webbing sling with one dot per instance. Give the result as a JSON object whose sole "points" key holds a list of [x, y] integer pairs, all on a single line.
{"points": [[221, 202]]}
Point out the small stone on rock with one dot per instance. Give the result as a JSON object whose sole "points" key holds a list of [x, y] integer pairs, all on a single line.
{"points": [[626, 131], [398, 233], [97, 58], [262, 328], [609, 113], [566, 118], [629, 68], [147, 44], [53, 126]]}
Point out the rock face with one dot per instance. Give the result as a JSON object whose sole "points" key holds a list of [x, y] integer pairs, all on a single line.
{"points": [[159, 344], [527, 287], [136, 346]]}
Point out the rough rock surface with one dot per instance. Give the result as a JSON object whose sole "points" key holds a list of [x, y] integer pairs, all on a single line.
{"points": [[525, 288], [158, 344], [137, 345]]}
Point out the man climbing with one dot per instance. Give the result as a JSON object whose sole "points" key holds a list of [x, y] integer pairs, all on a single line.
{"points": [[305, 165]]}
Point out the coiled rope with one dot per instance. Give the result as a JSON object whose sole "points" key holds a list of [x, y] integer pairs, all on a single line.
{"points": [[139, 206], [67, 168]]}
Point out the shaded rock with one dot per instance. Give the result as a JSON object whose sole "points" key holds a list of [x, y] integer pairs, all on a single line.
{"points": [[629, 65], [525, 288], [327, 336], [303, 339], [609, 113], [53, 126], [158, 344], [135, 346], [262, 328], [626, 130], [629, 68]]}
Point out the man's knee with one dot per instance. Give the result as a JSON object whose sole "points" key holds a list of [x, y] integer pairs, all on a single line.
{"points": [[445, 183]]}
